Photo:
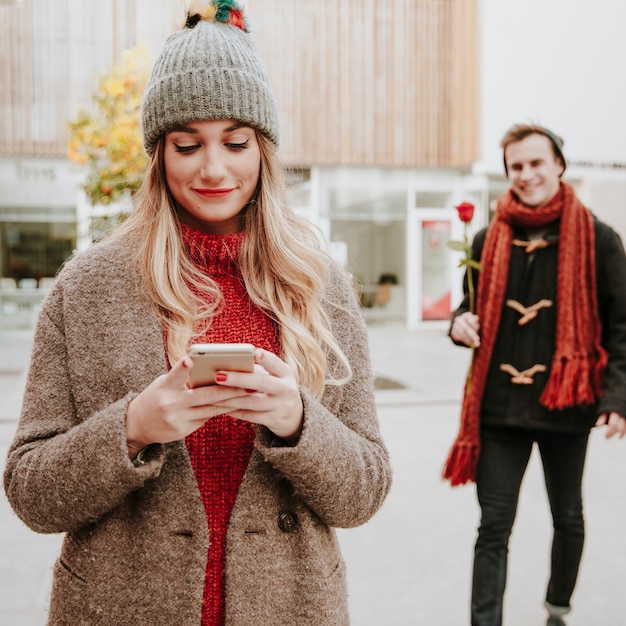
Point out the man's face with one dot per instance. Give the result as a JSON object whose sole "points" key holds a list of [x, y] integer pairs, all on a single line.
{"points": [[533, 169]]}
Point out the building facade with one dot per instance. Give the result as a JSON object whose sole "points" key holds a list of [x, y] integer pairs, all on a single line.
{"points": [[379, 104]]}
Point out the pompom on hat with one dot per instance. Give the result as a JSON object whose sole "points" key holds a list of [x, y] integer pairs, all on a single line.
{"points": [[208, 70]]}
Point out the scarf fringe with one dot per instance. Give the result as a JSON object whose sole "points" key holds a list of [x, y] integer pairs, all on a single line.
{"points": [[462, 463], [574, 381]]}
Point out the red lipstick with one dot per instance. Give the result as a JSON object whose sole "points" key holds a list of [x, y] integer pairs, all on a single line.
{"points": [[214, 193]]}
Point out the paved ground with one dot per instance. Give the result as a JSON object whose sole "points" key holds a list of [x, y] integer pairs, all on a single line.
{"points": [[410, 566]]}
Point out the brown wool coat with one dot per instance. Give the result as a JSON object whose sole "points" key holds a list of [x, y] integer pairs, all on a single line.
{"points": [[136, 538]]}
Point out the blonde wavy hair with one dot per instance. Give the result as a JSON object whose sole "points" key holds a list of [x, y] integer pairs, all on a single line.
{"points": [[281, 262]]}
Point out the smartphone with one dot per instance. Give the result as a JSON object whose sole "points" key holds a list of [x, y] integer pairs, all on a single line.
{"points": [[208, 358]]}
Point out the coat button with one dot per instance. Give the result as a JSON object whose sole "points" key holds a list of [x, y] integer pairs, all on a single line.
{"points": [[287, 521]]}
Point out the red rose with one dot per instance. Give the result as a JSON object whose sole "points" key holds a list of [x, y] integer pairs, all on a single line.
{"points": [[466, 211]]}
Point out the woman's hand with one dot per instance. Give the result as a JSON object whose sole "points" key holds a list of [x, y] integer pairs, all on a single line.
{"points": [[168, 410], [272, 396], [465, 329]]}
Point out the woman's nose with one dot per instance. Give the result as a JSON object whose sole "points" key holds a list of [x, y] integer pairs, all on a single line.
{"points": [[212, 165]]}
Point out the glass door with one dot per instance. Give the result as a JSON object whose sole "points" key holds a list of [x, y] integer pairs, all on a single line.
{"points": [[435, 262], [432, 265]]}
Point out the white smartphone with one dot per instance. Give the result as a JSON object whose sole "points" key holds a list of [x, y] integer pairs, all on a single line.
{"points": [[208, 358]]}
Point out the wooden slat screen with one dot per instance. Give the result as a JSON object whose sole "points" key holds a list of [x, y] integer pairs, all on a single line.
{"points": [[391, 83], [51, 55], [373, 82]]}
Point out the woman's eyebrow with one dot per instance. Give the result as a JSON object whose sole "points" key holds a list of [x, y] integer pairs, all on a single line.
{"points": [[237, 125], [183, 129]]}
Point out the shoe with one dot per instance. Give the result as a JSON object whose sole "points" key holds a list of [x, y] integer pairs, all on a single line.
{"points": [[553, 620]]}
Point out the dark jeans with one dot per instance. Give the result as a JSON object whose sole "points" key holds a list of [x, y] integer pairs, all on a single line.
{"points": [[503, 459]]}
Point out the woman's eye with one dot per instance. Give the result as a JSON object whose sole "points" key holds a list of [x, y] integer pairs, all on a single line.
{"points": [[185, 148], [237, 146]]}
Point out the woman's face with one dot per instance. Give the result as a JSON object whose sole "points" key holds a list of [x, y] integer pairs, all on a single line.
{"points": [[212, 169]]}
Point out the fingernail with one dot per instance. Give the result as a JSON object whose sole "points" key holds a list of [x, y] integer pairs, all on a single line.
{"points": [[220, 377]]}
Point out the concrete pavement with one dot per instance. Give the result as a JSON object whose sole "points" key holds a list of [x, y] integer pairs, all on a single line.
{"points": [[410, 565]]}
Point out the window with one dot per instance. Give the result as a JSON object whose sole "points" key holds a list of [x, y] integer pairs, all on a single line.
{"points": [[35, 249]]}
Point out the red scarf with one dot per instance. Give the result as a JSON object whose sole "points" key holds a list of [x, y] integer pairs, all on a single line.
{"points": [[579, 359]]}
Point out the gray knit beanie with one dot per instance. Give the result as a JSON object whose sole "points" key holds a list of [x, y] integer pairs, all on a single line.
{"points": [[209, 70]]}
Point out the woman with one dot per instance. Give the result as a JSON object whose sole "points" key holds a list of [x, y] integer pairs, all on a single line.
{"points": [[212, 505]]}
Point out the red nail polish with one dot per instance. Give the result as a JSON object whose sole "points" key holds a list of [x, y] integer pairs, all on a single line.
{"points": [[220, 377], [251, 390]]}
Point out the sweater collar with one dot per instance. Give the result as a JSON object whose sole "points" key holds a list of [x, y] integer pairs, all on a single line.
{"points": [[216, 254]]}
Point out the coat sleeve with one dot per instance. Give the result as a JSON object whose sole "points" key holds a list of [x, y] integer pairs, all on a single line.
{"points": [[611, 281], [65, 470], [340, 466]]}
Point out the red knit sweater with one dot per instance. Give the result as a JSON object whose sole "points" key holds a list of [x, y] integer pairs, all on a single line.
{"points": [[220, 450]]}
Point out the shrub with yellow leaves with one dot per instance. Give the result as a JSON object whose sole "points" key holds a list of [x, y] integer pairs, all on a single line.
{"points": [[107, 141]]}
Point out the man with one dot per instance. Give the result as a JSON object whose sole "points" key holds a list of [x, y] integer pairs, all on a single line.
{"points": [[549, 336]]}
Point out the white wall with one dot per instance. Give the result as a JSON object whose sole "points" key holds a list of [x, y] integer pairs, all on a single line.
{"points": [[156, 20], [561, 63]]}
